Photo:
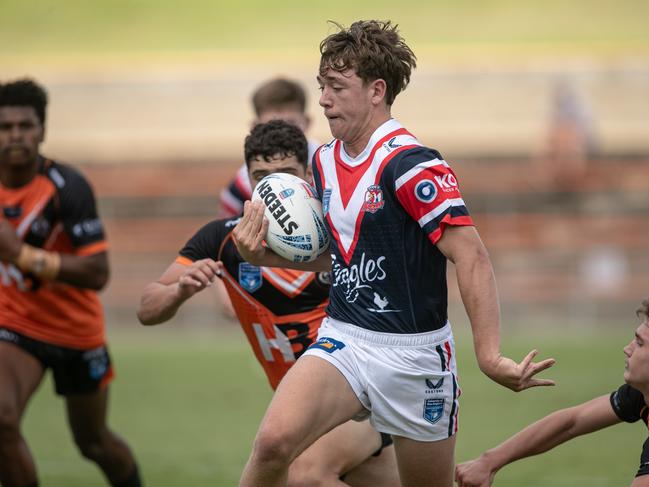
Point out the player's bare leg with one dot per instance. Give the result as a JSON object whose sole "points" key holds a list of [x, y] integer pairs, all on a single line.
{"points": [[338, 452], [425, 464], [20, 375], [312, 399], [87, 418], [380, 470]]}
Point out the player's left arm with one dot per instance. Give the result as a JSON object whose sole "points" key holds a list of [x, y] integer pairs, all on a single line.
{"points": [[84, 271], [462, 246]]}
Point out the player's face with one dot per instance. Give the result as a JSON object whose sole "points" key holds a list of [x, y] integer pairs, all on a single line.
{"points": [[348, 104], [259, 168], [636, 370], [21, 134], [290, 113]]}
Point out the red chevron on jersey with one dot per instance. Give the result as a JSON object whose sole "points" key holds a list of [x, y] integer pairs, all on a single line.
{"points": [[428, 191], [352, 182]]}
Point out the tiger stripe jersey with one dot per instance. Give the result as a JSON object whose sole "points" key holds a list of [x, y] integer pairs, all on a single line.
{"points": [[386, 210], [280, 310], [55, 211]]}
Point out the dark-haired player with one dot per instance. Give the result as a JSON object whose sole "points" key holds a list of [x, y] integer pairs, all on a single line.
{"points": [[629, 403], [53, 260], [280, 311], [396, 216]]}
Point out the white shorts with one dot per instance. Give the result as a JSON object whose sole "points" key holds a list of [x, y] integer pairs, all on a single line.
{"points": [[407, 383]]}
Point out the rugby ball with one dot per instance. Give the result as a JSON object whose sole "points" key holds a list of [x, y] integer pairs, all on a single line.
{"points": [[296, 229]]}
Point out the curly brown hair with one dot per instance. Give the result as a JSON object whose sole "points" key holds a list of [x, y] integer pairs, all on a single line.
{"points": [[374, 49], [643, 310]]}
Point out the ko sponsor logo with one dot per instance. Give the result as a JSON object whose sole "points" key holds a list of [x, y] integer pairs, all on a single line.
{"points": [[447, 182]]}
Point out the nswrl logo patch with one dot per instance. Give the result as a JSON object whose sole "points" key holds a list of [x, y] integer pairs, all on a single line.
{"points": [[327, 344], [433, 409], [249, 277]]}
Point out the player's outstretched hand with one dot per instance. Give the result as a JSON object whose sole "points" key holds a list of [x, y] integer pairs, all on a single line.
{"points": [[250, 232], [197, 277], [519, 376], [475, 473], [9, 242]]}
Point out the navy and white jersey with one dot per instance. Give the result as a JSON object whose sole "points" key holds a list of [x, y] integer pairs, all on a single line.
{"points": [[629, 405], [385, 211]]}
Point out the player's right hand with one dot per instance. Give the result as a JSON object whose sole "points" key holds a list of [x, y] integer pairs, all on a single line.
{"points": [[475, 473], [250, 232], [197, 277]]}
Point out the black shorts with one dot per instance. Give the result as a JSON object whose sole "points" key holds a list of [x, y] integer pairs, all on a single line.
{"points": [[74, 371]]}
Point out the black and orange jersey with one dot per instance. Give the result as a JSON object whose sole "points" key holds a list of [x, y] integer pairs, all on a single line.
{"points": [[280, 310], [629, 405], [55, 211]]}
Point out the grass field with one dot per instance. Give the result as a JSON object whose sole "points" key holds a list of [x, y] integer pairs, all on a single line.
{"points": [[189, 404]]}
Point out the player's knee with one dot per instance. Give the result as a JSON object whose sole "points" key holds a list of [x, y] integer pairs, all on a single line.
{"points": [[92, 447], [273, 449], [9, 421]]}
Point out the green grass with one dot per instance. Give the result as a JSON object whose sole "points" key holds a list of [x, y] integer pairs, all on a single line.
{"points": [[253, 27], [189, 404]]}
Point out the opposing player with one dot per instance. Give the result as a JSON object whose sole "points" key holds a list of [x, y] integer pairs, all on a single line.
{"points": [[629, 403], [280, 312], [53, 260], [276, 99], [395, 213]]}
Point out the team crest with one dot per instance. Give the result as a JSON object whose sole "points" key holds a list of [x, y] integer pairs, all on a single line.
{"points": [[373, 199], [249, 277], [433, 409], [326, 196], [327, 344]]}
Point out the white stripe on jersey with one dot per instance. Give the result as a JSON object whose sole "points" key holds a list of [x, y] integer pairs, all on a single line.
{"points": [[408, 175], [441, 208], [291, 287]]}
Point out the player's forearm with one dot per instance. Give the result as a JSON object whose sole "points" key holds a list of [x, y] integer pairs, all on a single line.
{"points": [[321, 264], [159, 303], [480, 297], [553, 430]]}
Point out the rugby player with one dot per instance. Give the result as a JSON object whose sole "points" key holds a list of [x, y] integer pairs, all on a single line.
{"points": [[53, 260], [396, 215], [629, 403], [279, 310]]}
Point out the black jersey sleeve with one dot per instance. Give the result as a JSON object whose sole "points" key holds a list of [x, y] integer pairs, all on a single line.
{"points": [[628, 403], [206, 242], [78, 209], [644, 460]]}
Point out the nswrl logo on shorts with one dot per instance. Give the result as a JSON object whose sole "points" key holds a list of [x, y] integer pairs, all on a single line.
{"points": [[433, 409], [327, 344]]}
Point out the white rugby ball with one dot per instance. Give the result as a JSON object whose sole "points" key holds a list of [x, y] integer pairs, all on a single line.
{"points": [[296, 229]]}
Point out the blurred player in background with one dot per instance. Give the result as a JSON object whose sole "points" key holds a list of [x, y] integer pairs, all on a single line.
{"points": [[277, 99], [395, 213], [629, 404], [280, 311], [53, 260]]}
